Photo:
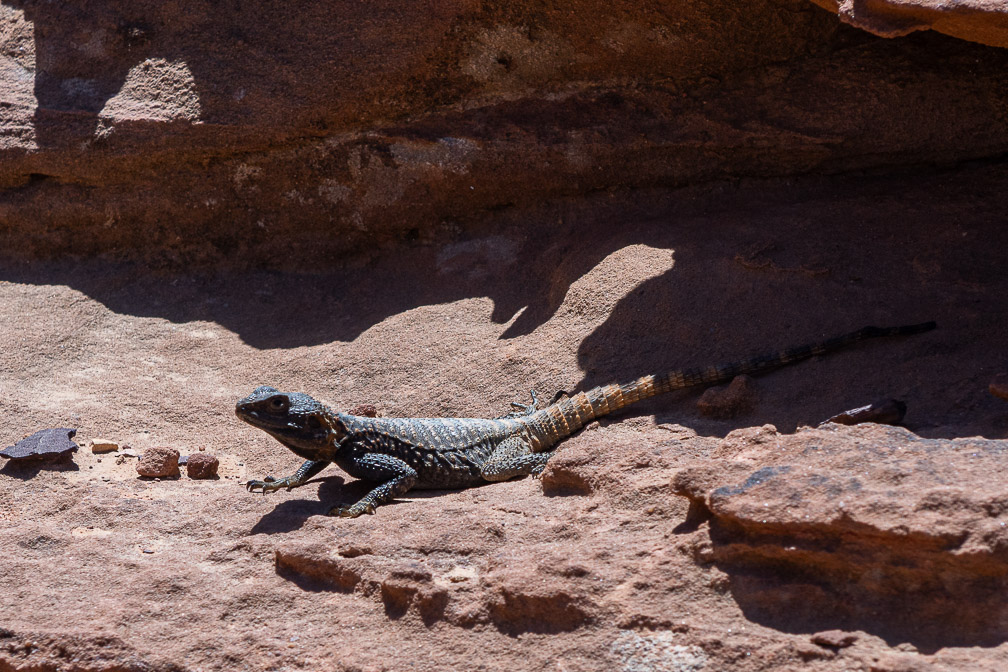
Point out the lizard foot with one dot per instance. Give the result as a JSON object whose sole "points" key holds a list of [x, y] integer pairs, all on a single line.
{"points": [[520, 410], [352, 511], [268, 484]]}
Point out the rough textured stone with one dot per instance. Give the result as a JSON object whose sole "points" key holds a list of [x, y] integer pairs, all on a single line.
{"points": [[984, 21], [584, 193], [853, 521], [202, 465], [159, 462], [45, 444], [181, 134]]}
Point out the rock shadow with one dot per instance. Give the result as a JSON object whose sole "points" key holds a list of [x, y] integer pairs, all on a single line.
{"points": [[744, 284], [904, 589], [525, 275]]}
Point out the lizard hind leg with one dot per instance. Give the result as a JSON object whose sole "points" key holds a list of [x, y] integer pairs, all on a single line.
{"points": [[511, 458]]}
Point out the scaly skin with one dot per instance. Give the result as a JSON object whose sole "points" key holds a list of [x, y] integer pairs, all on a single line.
{"points": [[445, 453]]}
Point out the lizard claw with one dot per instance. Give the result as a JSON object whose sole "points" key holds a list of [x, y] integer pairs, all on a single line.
{"points": [[352, 511], [268, 484]]}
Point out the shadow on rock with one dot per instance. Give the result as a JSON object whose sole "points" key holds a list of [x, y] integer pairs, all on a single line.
{"points": [[290, 308], [29, 469], [292, 514]]}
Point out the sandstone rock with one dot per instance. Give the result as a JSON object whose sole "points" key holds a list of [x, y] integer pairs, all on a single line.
{"points": [[834, 639], [202, 465], [981, 21], [198, 150], [159, 462], [839, 519]]}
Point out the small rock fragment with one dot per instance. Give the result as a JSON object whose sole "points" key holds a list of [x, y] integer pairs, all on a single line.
{"points": [[885, 412], [729, 401], [202, 465], [834, 639], [183, 460], [365, 410], [103, 446], [47, 444], [999, 386], [129, 452], [159, 462]]}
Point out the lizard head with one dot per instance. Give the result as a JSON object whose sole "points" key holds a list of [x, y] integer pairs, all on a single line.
{"points": [[294, 419]]}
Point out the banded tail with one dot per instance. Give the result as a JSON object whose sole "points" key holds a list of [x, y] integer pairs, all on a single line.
{"points": [[563, 418]]}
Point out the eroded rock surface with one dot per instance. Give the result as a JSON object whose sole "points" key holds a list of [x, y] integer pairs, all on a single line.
{"points": [[984, 21], [869, 524], [196, 133]]}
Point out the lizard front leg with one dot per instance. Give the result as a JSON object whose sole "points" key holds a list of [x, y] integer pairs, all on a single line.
{"points": [[397, 476], [299, 477]]}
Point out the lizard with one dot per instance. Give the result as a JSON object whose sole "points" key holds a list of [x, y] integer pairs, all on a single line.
{"points": [[398, 454]]}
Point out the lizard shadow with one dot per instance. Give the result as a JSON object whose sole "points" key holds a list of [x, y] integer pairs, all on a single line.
{"points": [[292, 514]]}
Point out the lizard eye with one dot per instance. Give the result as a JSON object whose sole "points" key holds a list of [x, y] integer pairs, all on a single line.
{"points": [[278, 403]]}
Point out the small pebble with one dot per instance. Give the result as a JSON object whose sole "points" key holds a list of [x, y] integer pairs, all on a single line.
{"points": [[103, 446], [364, 410], [885, 412], [159, 462], [834, 639], [202, 465]]}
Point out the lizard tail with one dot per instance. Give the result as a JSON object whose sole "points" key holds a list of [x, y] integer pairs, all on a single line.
{"points": [[568, 415]]}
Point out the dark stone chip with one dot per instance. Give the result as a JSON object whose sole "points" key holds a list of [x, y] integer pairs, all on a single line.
{"points": [[46, 443]]}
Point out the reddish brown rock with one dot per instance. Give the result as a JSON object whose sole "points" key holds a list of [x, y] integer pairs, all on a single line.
{"points": [[834, 639], [839, 520], [202, 465], [147, 130], [984, 21], [159, 462], [365, 410]]}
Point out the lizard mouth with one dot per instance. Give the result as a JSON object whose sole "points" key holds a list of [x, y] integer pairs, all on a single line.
{"points": [[285, 429]]}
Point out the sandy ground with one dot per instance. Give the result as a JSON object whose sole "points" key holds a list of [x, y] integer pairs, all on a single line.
{"points": [[107, 571]]}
